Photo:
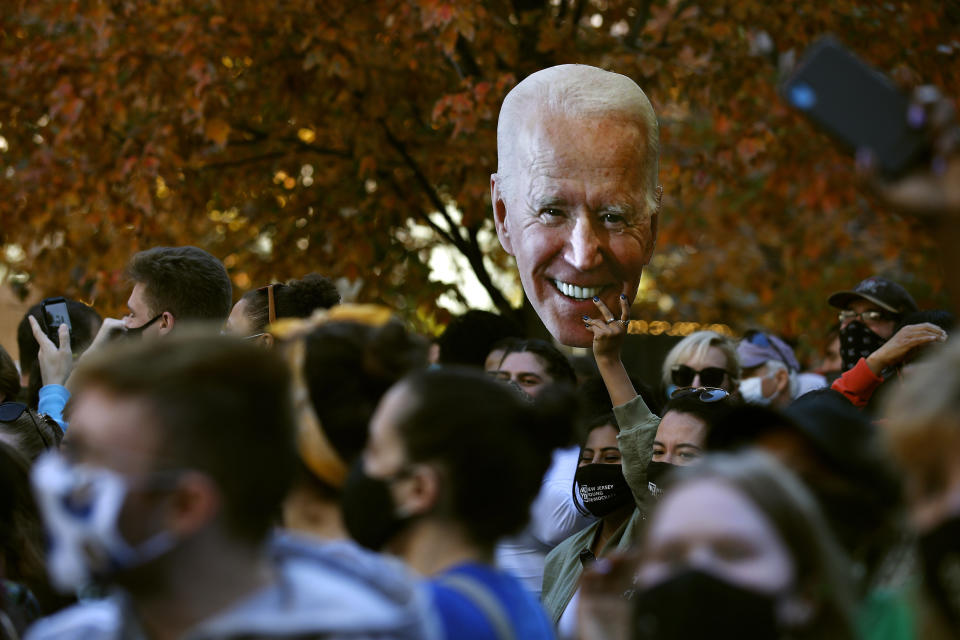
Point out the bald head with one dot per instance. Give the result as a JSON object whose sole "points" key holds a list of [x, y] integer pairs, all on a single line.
{"points": [[575, 193], [576, 91]]}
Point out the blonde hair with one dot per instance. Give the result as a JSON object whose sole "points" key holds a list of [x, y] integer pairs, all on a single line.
{"points": [[822, 571], [577, 90], [695, 346]]}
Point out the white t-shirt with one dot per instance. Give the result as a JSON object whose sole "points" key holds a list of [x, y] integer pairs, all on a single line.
{"points": [[553, 519]]}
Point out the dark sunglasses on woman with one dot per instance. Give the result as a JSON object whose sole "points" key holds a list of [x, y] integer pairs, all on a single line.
{"points": [[683, 376]]}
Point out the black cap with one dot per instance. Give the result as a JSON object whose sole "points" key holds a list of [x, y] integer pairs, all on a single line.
{"points": [[840, 434], [884, 293]]}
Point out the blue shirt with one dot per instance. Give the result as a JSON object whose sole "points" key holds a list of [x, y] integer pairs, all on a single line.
{"points": [[464, 620]]}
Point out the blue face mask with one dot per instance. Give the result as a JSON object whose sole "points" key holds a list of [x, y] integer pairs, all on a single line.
{"points": [[80, 506]]}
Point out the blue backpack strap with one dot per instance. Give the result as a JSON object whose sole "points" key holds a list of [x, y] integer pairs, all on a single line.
{"points": [[479, 594]]}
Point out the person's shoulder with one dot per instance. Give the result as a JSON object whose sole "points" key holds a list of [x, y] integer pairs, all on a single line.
{"points": [[333, 588], [342, 560], [94, 620], [464, 594]]}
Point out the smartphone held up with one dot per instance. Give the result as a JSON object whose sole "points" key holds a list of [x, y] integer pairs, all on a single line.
{"points": [[858, 106]]}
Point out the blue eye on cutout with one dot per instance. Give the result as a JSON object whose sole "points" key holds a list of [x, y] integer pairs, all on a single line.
{"points": [[802, 96]]}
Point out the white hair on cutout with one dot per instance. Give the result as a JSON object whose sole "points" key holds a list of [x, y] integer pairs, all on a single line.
{"points": [[577, 90]]}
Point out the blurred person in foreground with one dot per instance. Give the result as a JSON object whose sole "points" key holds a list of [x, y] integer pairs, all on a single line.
{"points": [[25, 592], [342, 361], [257, 309], [922, 429], [453, 463], [837, 452], [575, 197], [737, 549], [771, 373], [167, 494]]}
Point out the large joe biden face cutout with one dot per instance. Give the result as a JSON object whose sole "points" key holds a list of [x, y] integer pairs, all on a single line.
{"points": [[573, 197]]}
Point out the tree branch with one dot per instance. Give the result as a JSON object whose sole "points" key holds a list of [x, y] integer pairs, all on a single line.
{"points": [[428, 188]]}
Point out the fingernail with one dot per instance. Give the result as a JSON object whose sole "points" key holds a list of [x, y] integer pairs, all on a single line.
{"points": [[596, 299]]}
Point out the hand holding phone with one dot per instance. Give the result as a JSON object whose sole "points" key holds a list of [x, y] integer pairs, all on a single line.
{"points": [[53, 313]]}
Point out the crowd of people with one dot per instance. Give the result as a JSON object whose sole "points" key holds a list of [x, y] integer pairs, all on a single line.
{"points": [[291, 466]]}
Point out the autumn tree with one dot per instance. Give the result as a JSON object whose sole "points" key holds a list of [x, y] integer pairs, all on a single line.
{"points": [[325, 135]]}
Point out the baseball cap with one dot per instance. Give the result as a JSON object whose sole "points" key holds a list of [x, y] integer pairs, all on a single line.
{"points": [[758, 347], [884, 293]]}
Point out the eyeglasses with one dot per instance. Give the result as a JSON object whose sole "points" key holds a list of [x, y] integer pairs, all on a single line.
{"points": [[703, 394], [683, 376], [872, 315], [11, 412], [760, 339]]}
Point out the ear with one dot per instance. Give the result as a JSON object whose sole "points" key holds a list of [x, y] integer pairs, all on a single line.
{"points": [[166, 323], [500, 212], [421, 492], [196, 503], [782, 380]]}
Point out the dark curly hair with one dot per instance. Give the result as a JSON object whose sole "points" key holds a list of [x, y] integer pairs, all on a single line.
{"points": [[479, 433], [293, 299]]}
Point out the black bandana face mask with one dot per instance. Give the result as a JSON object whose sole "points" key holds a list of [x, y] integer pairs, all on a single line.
{"points": [[720, 610], [940, 553], [369, 512], [857, 341], [603, 488], [656, 474]]}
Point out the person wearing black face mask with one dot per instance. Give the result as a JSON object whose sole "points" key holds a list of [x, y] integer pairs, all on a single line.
{"points": [[922, 425], [738, 549], [603, 490], [871, 346], [452, 465]]}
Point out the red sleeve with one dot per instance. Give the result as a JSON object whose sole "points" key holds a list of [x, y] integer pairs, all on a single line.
{"points": [[858, 384]]}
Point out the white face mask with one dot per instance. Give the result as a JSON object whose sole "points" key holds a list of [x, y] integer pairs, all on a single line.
{"points": [[752, 391], [80, 506]]}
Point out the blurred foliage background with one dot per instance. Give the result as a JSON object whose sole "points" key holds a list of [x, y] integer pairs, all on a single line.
{"points": [[356, 139]]}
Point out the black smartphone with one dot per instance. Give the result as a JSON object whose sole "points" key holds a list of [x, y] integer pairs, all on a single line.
{"points": [[857, 105], [54, 313]]}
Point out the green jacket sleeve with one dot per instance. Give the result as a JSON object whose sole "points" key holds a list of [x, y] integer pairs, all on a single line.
{"points": [[638, 428]]}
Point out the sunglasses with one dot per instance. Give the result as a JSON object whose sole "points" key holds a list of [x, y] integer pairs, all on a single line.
{"points": [[760, 339], [683, 376], [703, 394], [11, 412], [864, 316]]}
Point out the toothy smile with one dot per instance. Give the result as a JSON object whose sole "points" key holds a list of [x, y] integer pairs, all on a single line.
{"points": [[577, 292]]}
